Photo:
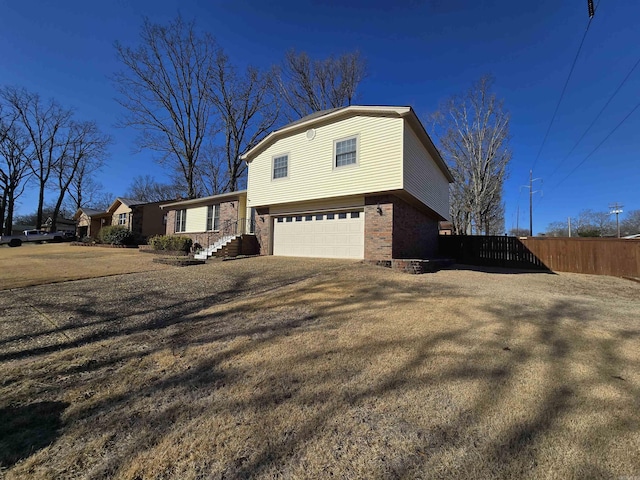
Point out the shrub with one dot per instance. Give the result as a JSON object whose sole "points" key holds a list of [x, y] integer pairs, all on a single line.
{"points": [[171, 242], [116, 235]]}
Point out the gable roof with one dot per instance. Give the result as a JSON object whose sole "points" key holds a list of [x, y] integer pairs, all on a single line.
{"points": [[313, 116], [337, 114], [89, 212], [127, 202]]}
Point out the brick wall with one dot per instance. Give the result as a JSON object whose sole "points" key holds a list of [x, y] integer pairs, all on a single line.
{"points": [[170, 227], [378, 228], [415, 233], [399, 231], [263, 231], [228, 212]]}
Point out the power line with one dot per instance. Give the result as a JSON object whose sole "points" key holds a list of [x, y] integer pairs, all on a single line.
{"points": [[597, 117], [564, 89], [598, 146]]}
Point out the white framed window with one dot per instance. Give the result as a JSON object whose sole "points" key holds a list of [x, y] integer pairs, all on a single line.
{"points": [[122, 219], [181, 220], [345, 152], [213, 217], [280, 167]]}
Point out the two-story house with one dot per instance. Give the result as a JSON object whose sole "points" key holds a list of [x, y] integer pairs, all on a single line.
{"points": [[353, 182]]}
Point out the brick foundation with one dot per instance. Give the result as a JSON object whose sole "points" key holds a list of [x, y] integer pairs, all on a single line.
{"points": [[412, 266]]}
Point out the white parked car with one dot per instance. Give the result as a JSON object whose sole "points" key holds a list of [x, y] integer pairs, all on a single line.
{"points": [[31, 236]]}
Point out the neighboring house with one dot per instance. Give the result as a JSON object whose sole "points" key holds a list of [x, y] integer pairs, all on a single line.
{"points": [[142, 218], [445, 228], [354, 182], [90, 221], [62, 225]]}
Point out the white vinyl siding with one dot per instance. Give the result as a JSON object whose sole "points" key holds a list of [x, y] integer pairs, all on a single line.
{"points": [[319, 205], [311, 171], [422, 177], [196, 219]]}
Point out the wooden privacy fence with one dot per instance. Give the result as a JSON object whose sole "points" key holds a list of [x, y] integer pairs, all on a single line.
{"points": [[489, 251], [596, 256]]}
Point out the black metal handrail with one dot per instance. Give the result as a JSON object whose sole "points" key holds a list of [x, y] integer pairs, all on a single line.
{"points": [[241, 226]]}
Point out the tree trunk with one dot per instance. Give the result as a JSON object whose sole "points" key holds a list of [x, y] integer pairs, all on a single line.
{"points": [[8, 222], [3, 208], [40, 205]]}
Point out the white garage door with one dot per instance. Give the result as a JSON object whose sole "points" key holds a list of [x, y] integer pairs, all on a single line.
{"points": [[330, 235]]}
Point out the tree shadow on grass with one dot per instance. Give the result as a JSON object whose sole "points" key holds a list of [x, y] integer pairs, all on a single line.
{"points": [[494, 362], [26, 429]]}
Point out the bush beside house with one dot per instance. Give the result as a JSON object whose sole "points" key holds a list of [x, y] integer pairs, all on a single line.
{"points": [[170, 243], [116, 235]]}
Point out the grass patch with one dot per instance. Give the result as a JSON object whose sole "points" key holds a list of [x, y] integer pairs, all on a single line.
{"points": [[301, 369], [31, 264]]}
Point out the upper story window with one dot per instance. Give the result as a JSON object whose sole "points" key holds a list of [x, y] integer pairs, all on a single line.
{"points": [[346, 152], [122, 219], [281, 166], [213, 217], [181, 220]]}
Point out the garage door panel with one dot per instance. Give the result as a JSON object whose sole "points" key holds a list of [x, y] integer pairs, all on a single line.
{"points": [[320, 236]]}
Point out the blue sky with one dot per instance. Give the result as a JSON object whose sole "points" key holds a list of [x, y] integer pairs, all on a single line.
{"points": [[418, 53]]}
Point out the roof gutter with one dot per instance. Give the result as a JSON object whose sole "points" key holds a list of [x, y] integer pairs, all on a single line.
{"points": [[203, 200]]}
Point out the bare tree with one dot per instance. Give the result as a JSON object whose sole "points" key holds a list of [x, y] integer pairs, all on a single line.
{"points": [[519, 232], [165, 87], [473, 135], [248, 108], [85, 191], [47, 125], [555, 229], [308, 85], [594, 224], [213, 172], [631, 223], [14, 168], [87, 148], [145, 188]]}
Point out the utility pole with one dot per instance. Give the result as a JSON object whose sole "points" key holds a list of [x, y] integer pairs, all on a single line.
{"points": [[569, 222], [531, 192], [616, 209]]}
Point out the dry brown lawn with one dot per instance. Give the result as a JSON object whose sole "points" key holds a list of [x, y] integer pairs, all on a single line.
{"points": [[37, 264], [285, 368]]}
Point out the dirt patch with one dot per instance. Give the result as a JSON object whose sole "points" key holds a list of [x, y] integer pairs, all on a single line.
{"points": [[272, 367]]}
